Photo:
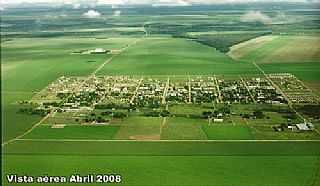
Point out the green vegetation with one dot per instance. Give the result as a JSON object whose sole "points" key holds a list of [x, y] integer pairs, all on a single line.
{"points": [[139, 128], [226, 132], [182, 128], [177, 170], [304, 71], [283, 49], [40, 44], [224, 40], [168, 56], [73, 132], [29, 65]]}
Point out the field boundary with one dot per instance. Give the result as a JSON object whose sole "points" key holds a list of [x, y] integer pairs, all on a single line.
{"points": [[124, 140]]}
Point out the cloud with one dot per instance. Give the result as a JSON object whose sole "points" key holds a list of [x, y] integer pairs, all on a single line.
{"points": [[171, 3], [92, 14], [112, 2], [256, 16], [150, 2], [117, 13], [76, 5]]}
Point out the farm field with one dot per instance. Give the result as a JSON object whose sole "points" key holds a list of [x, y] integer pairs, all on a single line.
{"points": [[44, 60], [228, 132], [139, 128], [214, 160], [279, 49], [164, 94], [183, 128], [73, 132], [211, 170], [168, 56]]}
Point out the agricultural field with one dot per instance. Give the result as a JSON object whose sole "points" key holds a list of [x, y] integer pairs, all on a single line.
{"points": [[162, 95], [168, 56], [279, 49]]}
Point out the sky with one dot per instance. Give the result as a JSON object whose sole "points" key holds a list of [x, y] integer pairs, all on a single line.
{"points": [[152, 2]]}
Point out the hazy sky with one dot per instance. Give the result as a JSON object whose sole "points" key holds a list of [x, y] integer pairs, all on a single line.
{"points": [[123, 2]]}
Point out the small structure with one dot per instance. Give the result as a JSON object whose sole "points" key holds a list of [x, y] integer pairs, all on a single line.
{"points": [[217, 120], [304, 126], [98, 51]]}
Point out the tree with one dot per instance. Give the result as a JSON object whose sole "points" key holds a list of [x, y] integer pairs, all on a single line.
{"points": [[258, 114]]}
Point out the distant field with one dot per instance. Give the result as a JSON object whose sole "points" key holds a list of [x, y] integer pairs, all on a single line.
{"points": [[29, 65], [278, 49], [304, 71], [169, 56]]}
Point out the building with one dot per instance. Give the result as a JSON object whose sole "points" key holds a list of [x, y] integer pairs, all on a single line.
{"points": [[305, 126]]}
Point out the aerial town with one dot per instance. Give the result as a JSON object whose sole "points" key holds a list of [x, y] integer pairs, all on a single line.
{"points": [[78, 92]]}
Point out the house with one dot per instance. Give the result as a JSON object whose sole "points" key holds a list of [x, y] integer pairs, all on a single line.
{"points": [[217, 120], [305, 126]]}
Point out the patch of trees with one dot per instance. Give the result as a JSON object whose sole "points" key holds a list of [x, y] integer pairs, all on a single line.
{"points": [[257, 114], [217, 112], [94, 118], [114, 114], [113, 106], [163, 113], [223, 42], [310, 110], [33, 111]]}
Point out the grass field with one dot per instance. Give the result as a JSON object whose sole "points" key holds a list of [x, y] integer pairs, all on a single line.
{"points": [[177, 170], [183, 128], [304, 71], [36, 47], [225, 132], [176, 161], [280, 49], [29, 65], [169, 56], [142, 128], [73, 132]]}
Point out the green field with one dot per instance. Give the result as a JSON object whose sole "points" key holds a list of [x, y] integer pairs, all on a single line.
{"points": [[183, 128], [29, 65], [282, 49], [182, 149], [177, 170], [213, 161], [73, 132], [225, 132], [168, 56], [139, 128]]}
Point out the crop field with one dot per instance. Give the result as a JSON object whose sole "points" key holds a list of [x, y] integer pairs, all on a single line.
{"points": [[182, 128], [280, 49], [228, 132], [213, 95], [167, 56]]}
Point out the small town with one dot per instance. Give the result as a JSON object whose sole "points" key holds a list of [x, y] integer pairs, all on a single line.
{"points": [[76, 92]]}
